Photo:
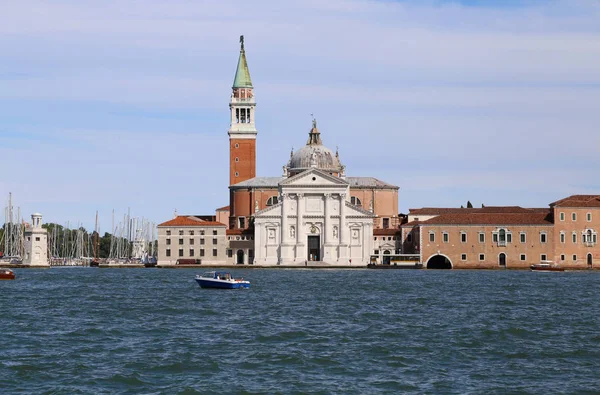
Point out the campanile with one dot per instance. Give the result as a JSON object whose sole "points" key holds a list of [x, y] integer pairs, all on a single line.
{"points": [[242, 132]]}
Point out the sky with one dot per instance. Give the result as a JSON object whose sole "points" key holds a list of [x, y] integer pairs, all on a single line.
{"points": [[123, 105]]}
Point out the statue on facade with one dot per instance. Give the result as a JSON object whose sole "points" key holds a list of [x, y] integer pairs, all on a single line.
{"points": [[313, 159], [292, 232], [256, 206], [335, 232]]}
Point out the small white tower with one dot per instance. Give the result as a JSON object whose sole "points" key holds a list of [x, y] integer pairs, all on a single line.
{"points": [[36, 243]]}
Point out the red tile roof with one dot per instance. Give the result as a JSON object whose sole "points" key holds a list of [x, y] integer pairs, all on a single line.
{"points": [[578, 201], [436, 210], [486, 209], [530, 218], [239, 232], [224, 208], [411, 224], [183, 220], [385, 232]]}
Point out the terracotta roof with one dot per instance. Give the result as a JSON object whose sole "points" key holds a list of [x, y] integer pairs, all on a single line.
{"points": [[529, 218], [239, 232], [578, 201], [385, 232], [437, 210], [184, 220], [486, 209], [411, 224], [224, 208]]}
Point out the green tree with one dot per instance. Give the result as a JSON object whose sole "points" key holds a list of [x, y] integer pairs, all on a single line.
{"points": [[469, 205]]}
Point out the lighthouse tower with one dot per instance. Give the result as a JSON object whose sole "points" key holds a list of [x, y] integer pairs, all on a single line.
{"points": [[36, 243], [242, 132]]}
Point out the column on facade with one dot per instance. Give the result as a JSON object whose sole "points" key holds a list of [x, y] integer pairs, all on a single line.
{"points": [[343, 230], [258, 240], [326, 219], [284, 219], [300, 214]]}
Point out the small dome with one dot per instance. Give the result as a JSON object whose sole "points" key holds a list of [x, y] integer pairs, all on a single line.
{"points": [[317, 156], [314, 155]]}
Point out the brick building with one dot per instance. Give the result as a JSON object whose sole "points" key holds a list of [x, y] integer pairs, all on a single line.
{"points": [[565, 233]]}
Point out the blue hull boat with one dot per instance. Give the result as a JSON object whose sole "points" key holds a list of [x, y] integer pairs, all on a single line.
{"points": [[221, 280]]}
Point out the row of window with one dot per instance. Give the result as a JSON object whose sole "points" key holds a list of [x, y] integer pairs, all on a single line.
{"points": [[500, 237], [191, 232], [588, 217], [214, 241], [522, 257], [588, 237], [240, 238], [192, 252], [388, 237], [386, 252], [274, 199]]}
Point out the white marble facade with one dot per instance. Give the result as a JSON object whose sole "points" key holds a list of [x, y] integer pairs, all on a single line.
{"points": [[313, 221]]}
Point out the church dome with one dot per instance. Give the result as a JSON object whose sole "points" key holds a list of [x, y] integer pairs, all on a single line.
{"points": [[314, 155]]}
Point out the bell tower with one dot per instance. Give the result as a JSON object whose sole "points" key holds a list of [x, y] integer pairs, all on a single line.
{"points": [[242, 132]]}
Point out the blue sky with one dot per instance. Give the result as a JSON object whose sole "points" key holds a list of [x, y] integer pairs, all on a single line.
{"points": [[124, 104]]}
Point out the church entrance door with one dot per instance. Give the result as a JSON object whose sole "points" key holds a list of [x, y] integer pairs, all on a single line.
{"points": [[314, 248]]}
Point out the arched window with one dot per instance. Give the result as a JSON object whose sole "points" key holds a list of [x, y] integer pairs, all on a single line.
{"points": [[272, 201], [356, 201], [502, 236]]}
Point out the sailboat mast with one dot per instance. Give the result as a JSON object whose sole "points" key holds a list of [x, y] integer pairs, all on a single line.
{"points": [[96, 244]]}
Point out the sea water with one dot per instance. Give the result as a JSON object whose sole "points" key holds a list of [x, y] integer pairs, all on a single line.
{"points": [[155, 331]]}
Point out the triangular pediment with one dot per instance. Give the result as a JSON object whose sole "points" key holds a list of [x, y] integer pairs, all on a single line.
{"points": [[271, 210], [355, 211], [313, 177]]}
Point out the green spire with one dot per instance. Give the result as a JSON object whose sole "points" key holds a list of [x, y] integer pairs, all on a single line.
{"points": [[242, 74]]}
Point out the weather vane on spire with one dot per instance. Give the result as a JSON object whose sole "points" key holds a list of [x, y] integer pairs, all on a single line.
{"points": [[242, 41]]}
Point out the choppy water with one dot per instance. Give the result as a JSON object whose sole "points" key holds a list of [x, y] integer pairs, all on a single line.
{"points": [[154, 331]]}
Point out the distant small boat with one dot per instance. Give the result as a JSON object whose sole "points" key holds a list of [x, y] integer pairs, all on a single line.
{"points": [[220, 280], [546, 267], [7, 274]]}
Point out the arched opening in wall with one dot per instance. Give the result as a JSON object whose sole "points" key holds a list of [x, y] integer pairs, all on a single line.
{"points": [[439, 262], [386, 257], [272, 201], [502, 260], [239, 257], [589, 261]]}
